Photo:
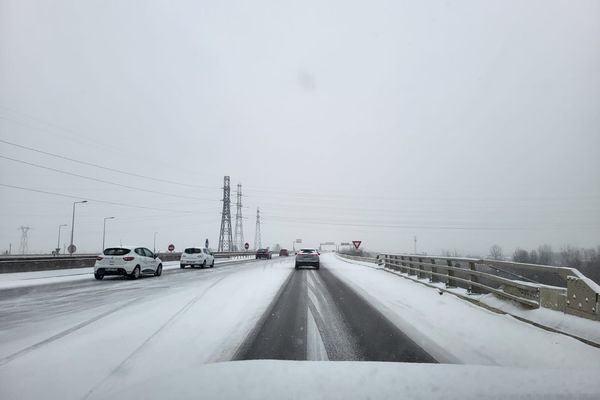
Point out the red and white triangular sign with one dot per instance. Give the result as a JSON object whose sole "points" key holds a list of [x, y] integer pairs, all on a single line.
{"points": [[356, 243]]}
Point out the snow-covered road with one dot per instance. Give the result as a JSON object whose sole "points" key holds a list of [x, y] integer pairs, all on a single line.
{"points": [[82, 338], [77, 341]]}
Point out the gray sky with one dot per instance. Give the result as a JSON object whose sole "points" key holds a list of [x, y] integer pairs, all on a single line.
{"points": [[466, 123]]}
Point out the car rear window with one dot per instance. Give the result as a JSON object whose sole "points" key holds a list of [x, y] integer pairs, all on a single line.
{"points": [[307, 251], [116, 251], [193, 250], [262, 250]]}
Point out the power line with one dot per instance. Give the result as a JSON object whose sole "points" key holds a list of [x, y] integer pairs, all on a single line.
{"points": [[90, 199], [69, 134], [102, 180], [120, 171], [412, 226]]}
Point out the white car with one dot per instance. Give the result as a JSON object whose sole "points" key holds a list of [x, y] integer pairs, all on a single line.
{"points": [[308, 257], [197, 257], [132, 261]]}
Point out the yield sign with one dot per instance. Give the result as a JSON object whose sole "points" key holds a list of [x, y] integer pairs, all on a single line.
{"points": [[356, 243]]}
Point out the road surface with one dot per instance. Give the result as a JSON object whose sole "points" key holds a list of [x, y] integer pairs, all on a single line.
{"points": [[316, 316], [85, 339]]}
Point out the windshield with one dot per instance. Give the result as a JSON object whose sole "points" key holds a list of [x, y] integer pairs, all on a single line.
{"points": [[392, 199], [117, 251], [193, 251]]}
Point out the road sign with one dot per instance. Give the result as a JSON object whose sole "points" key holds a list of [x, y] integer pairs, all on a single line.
{"points": [[171, 247], [345, 244], [72, 248], [206, 243], [356, 243], [246, 245]]}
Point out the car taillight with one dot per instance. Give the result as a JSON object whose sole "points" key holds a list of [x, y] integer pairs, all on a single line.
{"points": [[128, 258], [99, 258]]}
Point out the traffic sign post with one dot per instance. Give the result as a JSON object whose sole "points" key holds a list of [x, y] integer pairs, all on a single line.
{"points": [[356, 243], [171, 247], [71, 249]]}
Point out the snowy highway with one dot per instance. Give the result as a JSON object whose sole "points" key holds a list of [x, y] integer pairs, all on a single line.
{"points": [[81, 338]]}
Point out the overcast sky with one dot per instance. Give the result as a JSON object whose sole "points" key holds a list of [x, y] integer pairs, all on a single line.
{"points": [[465, 123]]}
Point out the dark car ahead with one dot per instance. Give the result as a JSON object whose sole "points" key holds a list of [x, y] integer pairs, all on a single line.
{"points": [[284, 253], [263, 253]]}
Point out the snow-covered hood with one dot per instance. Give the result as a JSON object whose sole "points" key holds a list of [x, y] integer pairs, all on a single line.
{"points": [[268, 379]]}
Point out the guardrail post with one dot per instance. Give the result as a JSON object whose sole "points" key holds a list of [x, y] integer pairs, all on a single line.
{"points": [[402, 265], [473, 278], [420, 274], [432, 277], [450, 282]]}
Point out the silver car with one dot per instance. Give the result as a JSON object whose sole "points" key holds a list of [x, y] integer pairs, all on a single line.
{"points": [[307, 257]]}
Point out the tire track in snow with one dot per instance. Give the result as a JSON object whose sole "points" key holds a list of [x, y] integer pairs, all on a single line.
{"points": [[162, 328], [64, 333]]}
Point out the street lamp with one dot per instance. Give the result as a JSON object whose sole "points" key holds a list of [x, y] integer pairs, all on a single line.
{"points": [[104, 231], [58, 242], [154, 250], [72, 247]]}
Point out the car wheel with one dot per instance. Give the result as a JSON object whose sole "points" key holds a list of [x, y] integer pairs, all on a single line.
{"points": [[296, 266], [318, 265], [136, 272], [158, 271], [213, 264], [182, 266], [99, 276], [203, 264]]}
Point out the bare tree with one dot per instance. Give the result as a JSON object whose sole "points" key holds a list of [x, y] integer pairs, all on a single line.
{"points": [[545, 255], [521, 255], [533, 257], [570, 257], [496, 252]]}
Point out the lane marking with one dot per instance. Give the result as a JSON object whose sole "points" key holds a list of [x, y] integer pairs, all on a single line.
{"points": [[315, 348]]}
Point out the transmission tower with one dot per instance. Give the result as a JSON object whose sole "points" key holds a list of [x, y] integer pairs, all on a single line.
{"points": [[239, 228], [257, 241], [24, 248], [225, 240]]}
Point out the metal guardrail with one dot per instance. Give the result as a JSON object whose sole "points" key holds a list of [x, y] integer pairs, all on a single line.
{"points": [[558, 288], [358, 258]]}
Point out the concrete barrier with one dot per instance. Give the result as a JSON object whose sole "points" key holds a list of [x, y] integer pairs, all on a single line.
{"points": [[10, 264]]}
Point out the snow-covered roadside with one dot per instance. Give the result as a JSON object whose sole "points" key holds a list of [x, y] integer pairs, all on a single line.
{"points": [[559, 321], [182, 326], [454, 330], [26, 279], [307, 380]]}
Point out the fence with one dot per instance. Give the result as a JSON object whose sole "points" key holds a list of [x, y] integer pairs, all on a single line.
{"points": [[558, 288]]}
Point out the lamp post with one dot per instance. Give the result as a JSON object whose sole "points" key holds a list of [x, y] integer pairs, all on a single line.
{"points": [[72, 247], [154, 250], [58, 242], [104, 231]]}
